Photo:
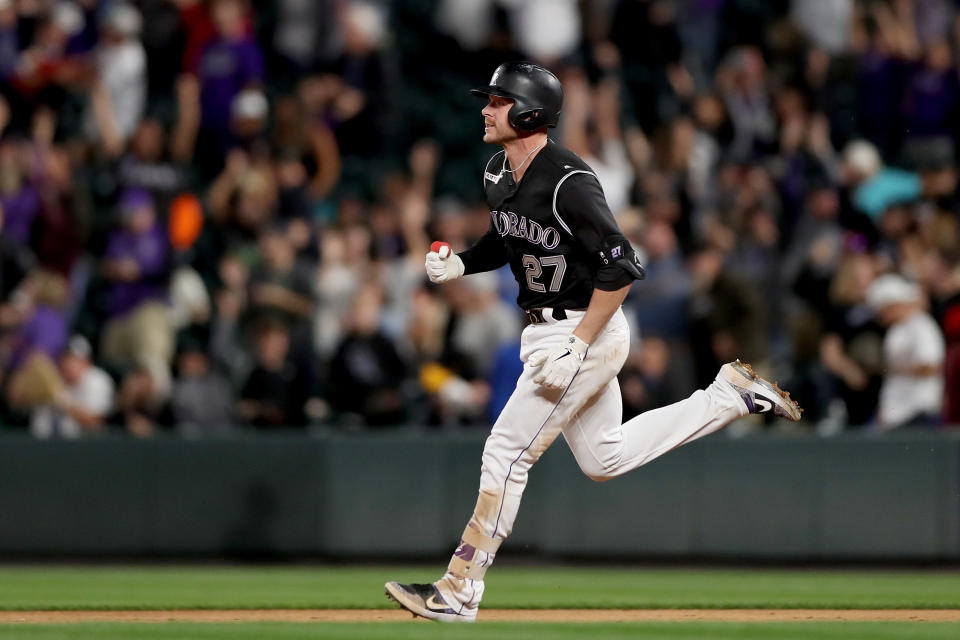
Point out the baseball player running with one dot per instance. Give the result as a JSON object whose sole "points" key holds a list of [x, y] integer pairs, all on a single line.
{"points": [[551, 224]]}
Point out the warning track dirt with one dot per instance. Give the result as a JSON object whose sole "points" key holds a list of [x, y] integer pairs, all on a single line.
{"points": [[488, 615]]}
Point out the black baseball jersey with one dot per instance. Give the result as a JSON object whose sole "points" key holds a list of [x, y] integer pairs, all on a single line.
{"points": [[554, 229]]}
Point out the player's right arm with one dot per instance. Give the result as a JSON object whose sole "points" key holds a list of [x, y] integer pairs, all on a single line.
{"points": [[488, 254]]}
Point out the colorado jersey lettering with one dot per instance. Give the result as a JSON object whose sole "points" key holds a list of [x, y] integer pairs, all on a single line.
{"points": [[507, 223]]}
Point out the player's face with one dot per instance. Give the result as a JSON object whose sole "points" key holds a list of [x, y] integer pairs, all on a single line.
{"points": [[496, 126]]}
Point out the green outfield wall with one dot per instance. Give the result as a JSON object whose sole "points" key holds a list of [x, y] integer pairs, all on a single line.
{"points": [[409, 493]]}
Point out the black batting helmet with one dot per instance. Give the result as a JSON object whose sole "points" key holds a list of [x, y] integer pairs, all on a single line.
{"points": [[536, 93]]}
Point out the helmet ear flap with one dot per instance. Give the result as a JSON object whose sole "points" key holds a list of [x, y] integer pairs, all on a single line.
{"points": [[529, 120]]}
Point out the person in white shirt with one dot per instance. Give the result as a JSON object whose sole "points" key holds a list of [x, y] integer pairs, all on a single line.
{"points": [[83, 402], [913, 354], [120, 90]]}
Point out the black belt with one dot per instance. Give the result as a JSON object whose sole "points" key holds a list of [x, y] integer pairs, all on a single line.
{"points": [[535, 316]]}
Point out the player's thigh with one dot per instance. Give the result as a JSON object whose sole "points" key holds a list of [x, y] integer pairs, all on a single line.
{"points": [[594, 434], [527, 425], [534, 416]]}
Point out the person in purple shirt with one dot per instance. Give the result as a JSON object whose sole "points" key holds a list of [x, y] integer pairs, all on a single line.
{"points": [[9, 39], [19, 198], [136, 255], [230, 62], [40, 303], [138, 267], [880, 76], [20, 208], [931, 98]]}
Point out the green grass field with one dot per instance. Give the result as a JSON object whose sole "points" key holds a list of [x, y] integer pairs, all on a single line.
{"points": [[219, 587]]}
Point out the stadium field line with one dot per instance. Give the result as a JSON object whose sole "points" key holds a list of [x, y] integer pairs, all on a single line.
{"points": [[486, 615]]}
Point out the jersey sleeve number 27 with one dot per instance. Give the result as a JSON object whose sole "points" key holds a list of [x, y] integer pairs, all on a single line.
{"points": [[534, 267]]}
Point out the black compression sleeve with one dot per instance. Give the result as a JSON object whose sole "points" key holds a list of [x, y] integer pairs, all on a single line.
{"points": [[581, 206], [489, 253]]}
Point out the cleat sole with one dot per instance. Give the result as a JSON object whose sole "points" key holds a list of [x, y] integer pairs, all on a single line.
{"points": [[789, 408]]}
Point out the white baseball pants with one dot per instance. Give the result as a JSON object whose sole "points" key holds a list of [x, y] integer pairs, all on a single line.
{"points": [[588, 414]]}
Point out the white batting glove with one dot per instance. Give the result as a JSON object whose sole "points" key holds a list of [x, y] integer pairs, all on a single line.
{"points": [[442, 263], [560, 363]]}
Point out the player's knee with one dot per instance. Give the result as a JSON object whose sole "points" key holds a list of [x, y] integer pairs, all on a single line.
{"points": [[596, 472], [599, 478]]}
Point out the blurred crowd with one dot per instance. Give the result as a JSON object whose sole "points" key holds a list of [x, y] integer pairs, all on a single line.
{"points": [[214, 213]]}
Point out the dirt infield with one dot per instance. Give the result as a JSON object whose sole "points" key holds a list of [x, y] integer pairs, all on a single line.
{"points": [[491, 615]]}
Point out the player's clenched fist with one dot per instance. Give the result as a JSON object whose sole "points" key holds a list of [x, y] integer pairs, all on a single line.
{"points": [[560, 364], [442, 263]]}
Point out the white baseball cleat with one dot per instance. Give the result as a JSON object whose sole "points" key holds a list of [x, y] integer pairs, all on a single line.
{"points": [[760, 396], [425, 601]]}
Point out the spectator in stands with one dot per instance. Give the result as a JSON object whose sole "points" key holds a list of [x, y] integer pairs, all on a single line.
{"points": [[851, 348], [249, 111], [727, 315], [279, 285], [230, 62], [163, 39], [119, 88], [57, 240], [546, 29], [598, 139], [345, 261], [308, 153], [646, 41], [360, 91], [913, 355], [875, 187], [15, 262], [941, 277], [228, 350], [815, 246], [276, 392], [19, 198], [201, 402], [9, 39], [137, 266], [242, 200], [367, 378], [931, 100], [304, 34], [83, 400], [142, 400], [883, 43], [480, 324], [148, 163], [44, 65], [661, 306], [36, 330], [649, 378], [742, 80]]}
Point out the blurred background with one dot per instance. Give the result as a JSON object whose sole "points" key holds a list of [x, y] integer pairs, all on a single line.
{"points": [[214, 214]]}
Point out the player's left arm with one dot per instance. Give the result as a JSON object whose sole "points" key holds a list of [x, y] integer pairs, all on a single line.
{"points": [[582, 207], [603, 304], [582, 210]]}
